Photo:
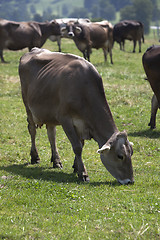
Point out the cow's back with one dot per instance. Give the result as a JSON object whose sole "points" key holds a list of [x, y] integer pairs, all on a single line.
{"points": [[128, 29], [55, 84], [18, 35]]}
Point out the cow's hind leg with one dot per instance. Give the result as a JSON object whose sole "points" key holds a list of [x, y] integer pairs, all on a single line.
{"points": [[51, 131], [154, 108], [105, 54], [32, 130], [77, 146]]}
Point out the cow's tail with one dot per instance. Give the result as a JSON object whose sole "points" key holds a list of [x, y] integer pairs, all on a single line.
{"points": [[142, 27], [143, 37]]}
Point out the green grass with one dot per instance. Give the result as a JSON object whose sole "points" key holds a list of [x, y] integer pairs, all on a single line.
{"points": [[39, 202]]}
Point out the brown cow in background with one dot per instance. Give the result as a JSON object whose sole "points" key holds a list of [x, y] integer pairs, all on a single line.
{"points": [[128, 29], [19, 35], [62, 22], [91, 35], [151, 64]]}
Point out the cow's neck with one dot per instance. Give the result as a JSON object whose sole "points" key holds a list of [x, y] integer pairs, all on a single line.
{"points": [[104, 131], [102, 124], [45, 29]]}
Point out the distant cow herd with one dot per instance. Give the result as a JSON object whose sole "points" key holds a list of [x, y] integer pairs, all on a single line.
{"points": [[85, 34], [67, 90]]}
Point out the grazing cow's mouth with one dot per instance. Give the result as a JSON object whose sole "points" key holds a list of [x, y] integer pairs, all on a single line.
{"points": [[126, 181]]}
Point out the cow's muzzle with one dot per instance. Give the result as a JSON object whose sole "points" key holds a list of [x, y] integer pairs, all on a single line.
{"points": [[126, 181], [71, 34]]}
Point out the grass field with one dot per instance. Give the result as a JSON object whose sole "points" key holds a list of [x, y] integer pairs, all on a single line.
{"points": [[39, 202]]}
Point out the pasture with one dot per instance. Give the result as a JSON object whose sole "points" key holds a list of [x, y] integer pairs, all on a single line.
{"points": [[39, 202]]}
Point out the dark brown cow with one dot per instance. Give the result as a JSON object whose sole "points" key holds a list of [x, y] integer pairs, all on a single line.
{"points": [[91, 35], [151, 64], [130, 30], [64, 89], [19, 35]]}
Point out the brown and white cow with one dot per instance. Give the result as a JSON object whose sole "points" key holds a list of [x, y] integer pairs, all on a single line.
{"points": [[151, 64], [62, 22], [90, 35], [65, 89], [19, 35], [128, 29]]}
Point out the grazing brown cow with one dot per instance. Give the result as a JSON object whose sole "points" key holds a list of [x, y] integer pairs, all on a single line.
{"points": [[19, 35], [64, 89], [151, 64], [130, 30], [91, 35]]}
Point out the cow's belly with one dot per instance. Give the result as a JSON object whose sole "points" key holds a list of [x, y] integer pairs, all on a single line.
{"points": [[43, 116], [129, 37], [8, 43], [13, 45]]}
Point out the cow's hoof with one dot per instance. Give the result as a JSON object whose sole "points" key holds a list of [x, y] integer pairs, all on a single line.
{"points": [[57, 165], [151, 126], [35, 160], [5, 62], [83, 178]]}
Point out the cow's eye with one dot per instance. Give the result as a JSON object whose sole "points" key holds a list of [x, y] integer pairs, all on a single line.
{"points": [[120, 156]]}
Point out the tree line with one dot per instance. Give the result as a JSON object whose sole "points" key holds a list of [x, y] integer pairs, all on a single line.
{"points": [[142, 10]]}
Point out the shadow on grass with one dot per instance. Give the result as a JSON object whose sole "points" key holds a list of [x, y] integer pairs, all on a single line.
{"points": [[49, 174], [149, 133]]}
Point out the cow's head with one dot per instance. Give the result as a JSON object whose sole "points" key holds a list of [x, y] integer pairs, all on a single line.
{"points": [[116, 156], [71, 30]]}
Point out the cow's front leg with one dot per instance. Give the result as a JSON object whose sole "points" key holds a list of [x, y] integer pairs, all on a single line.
{"points": [[51, 131], [1, 56], [59, 43], [32, 130], [134, 46], [77, 146], [75, 165], [78, 163]]}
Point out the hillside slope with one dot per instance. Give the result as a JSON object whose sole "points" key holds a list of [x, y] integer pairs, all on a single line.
{"points": [[57, 7]]}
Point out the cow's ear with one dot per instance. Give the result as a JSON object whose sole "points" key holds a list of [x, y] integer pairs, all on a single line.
{"points": [[63, 30], [53, 21], [78, 30]]}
